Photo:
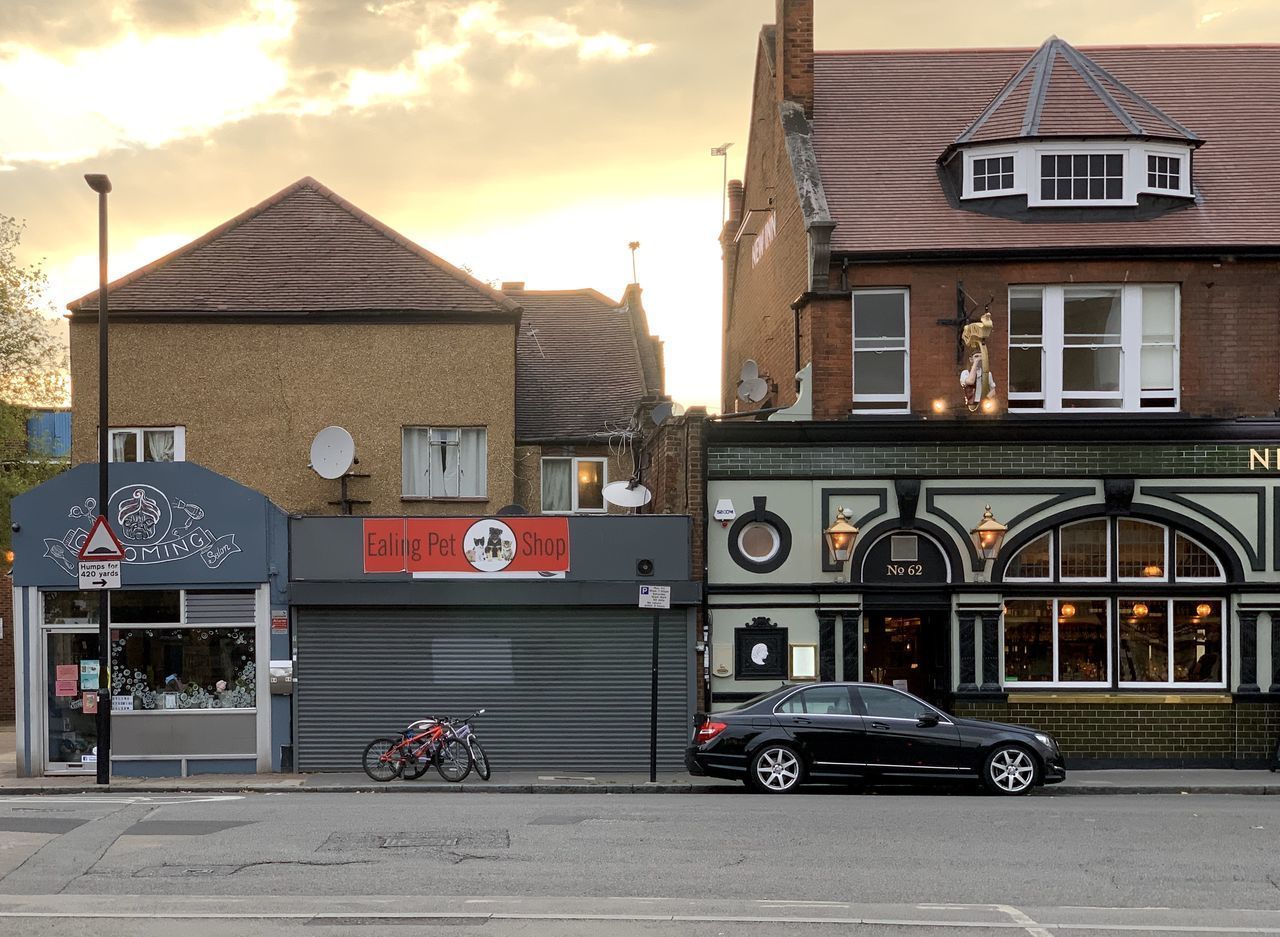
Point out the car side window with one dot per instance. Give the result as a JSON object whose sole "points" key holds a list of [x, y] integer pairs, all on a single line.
{"points": [[889, 704], [827, 701], [792, 704]]}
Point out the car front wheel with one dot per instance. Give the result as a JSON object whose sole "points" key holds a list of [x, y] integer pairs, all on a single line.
{"points": [[1009, 770], [775, 769]]}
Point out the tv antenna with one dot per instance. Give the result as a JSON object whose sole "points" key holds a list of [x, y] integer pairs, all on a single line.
{"points": [[333, 453], [752, 388]]}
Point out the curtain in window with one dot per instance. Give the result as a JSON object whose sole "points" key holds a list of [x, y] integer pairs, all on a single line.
{"points": [[473, 464], [415, 463], [159, 445], [124, 447], [556, 484]]}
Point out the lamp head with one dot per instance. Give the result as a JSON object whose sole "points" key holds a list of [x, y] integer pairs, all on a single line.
{"points": [[98, 181]]}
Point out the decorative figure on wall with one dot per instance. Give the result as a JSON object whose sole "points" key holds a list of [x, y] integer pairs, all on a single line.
{"points": [[976, 383]]}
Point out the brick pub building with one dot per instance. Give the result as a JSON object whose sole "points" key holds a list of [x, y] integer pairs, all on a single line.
{"points": [[1116, 214]]}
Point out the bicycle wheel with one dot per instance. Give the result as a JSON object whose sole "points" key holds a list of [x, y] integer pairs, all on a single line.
{"points": [[381, 760], [416, 765], [454, 761], [480, 760]]}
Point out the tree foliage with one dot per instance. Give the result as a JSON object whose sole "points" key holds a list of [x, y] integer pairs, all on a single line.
{"points": [[32, 373]]}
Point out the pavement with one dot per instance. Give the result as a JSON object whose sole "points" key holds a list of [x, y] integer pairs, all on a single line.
{"points": [[1114, 781]]}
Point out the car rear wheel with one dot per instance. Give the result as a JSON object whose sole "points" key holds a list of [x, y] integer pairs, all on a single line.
{"points": [[1010, 770], [775, 769]]}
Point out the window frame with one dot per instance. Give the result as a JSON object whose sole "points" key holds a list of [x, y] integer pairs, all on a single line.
{"points": [[573, 483], [1053, 558], [971, 172], [1169, 600], [1172, 569], [1053, 345], [179, 441], [903, 400], [404, 431], [1055, 603], [1128, 192], [1166, 574], [1057, 544]]}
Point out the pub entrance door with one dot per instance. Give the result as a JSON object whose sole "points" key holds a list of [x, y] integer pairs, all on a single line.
{"points": [[908, 649]]}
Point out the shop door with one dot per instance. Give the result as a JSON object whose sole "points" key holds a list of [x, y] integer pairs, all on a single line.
{"points": [[907, 650], [71, 741], [564, 689]]}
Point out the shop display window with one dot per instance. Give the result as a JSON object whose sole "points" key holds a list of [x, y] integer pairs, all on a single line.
{"points": [[1055, 641], [1163, 641], [146, 607], [1144, 641], [184, 668], [70, 608]]}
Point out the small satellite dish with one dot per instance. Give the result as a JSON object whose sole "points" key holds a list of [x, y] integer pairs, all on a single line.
{"points": [[665, 411], [751, 386], [512, 510], [333, 452], [627, 495]]}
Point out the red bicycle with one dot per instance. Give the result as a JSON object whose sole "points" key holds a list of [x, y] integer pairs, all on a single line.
{"points": [[424, 743]]}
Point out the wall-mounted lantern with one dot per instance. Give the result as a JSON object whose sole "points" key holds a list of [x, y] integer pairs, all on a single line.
{"points": [[840, 537], [988, 535]]}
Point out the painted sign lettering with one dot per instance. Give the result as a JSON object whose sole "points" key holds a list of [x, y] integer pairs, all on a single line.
{"points": [[151, 528], [468, 547], [764, 238], [1265, 459]]}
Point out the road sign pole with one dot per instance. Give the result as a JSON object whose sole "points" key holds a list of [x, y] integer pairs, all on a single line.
{"points": [[653, 706], [104, 624]]}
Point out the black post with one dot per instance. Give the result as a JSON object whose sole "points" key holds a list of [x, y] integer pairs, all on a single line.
{"points": [[102, 185], [653, 708]]}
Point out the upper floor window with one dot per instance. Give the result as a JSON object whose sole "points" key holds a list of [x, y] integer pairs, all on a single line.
{"points": [[992, 173], [1081, 177], [1097, 347], [881, 380], [1164, 172], [445, 462], [1144, 552], [148, 444], [574, 485]]}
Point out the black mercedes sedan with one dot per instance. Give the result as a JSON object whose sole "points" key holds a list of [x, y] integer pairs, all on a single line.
{"points": [[849, 732]]}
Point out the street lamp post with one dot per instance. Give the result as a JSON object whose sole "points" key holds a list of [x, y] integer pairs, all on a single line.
{"points": [[102, 185]]}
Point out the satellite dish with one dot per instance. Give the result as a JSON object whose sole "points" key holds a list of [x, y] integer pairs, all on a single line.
{"points": [[627, 494], [751, 386], [512, 510], [333, 452], [665, 411]]}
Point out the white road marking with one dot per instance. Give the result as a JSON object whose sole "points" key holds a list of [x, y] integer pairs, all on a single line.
{"points": [[161, 801], [1034, 929]]}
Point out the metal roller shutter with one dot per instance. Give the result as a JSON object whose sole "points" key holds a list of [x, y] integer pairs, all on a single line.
{"points": [[564, 688]]}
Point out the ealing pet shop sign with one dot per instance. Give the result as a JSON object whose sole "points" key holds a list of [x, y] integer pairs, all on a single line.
{"points": [[468, 547], [152, 528]]}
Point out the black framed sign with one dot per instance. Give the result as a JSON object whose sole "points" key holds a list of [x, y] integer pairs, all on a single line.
{"points": [[760, 653]]}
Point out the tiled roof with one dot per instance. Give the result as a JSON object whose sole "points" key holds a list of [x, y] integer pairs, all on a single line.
{"points": [[1061, 92], [881, 122], [578, 365], [303, 250]]}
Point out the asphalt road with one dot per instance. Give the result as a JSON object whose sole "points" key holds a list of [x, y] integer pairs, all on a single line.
{"points": [[496, 865]]}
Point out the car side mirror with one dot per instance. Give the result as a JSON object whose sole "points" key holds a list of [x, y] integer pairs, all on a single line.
{"points": [[927, 720]]}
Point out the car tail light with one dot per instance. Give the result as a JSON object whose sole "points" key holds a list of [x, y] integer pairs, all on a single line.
{"points": [[709, 730]]}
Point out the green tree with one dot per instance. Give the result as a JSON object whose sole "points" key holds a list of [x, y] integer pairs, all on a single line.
{"points": [[32, 374]]}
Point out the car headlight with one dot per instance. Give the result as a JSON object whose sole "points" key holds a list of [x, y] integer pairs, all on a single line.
{"points": [[1047, 741]]}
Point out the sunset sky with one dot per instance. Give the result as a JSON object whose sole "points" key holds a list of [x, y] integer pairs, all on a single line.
{"points": [[527, 140]]}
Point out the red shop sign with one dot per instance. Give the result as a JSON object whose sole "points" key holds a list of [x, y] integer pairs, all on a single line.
{"points": [[467, 547]]}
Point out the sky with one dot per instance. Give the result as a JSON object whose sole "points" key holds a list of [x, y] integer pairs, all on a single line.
{"points": [[523, 139]]}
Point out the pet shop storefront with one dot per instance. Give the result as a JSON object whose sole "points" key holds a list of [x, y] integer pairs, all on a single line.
{"points": [[536, 619], [191, 625]]}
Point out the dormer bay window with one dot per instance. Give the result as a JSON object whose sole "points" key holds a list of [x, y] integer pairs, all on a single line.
{"points": [[1065, 133]]}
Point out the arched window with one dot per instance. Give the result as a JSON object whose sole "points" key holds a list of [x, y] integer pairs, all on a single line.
{"points": [[1090, 604]]}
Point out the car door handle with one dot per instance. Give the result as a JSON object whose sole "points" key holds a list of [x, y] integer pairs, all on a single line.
{"points": [[879, 725], [800, 721]]}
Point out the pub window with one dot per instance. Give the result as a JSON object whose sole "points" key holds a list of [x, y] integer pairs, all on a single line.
{"points": [[1093, 347], [1141, 550], [1034, 561], [1192, 561], [572, 485], [881, 375], [1167, 641], [1085, 550], [1056, 641]]}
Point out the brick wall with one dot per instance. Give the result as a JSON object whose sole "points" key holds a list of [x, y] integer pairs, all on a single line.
{"points": [[1230, 347], [758, 321], [7, 678], [795, 52], [947, 460], [1240, 734], [671, 466]]}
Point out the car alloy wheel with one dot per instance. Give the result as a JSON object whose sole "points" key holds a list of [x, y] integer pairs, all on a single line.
{"points": [[777, 770], [1011, 771]]}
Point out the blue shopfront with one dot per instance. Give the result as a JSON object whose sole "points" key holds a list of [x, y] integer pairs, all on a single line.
{"points": [[200, 614]]}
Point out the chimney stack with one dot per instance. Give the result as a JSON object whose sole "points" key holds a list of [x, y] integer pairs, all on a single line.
{"points": [[793, 56], [737, 197]]}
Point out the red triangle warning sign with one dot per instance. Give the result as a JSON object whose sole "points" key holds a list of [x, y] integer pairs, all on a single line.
{"points": [[101, 543]]}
